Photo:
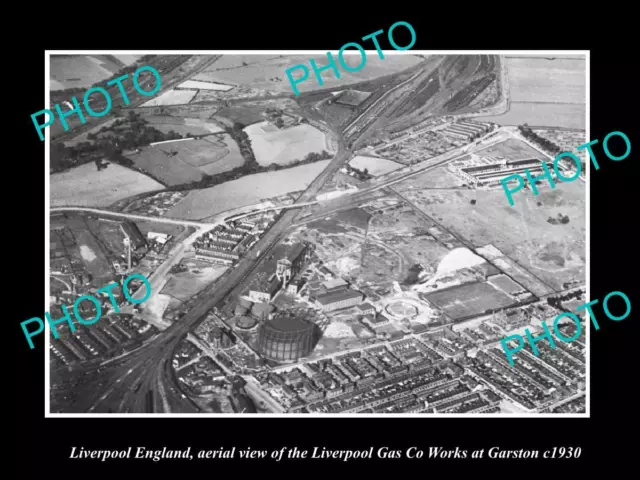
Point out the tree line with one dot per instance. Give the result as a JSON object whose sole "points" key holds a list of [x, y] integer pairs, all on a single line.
{"points": [[109, 142]]}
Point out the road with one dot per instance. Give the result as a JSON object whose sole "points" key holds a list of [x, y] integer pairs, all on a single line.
{"points": [[132, 216]]}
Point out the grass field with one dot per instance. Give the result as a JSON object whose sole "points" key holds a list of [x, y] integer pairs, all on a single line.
{"points": [[182, 125], [243, 114], [522, 231], [245, 191], [469, 299], [267, 72], [505, 284], [511, 149], [75, 71], [172, 97], [541, 115], [273, 145], [85, 186], [375, 166], [545, 93], [551, 81], [192, 159]]}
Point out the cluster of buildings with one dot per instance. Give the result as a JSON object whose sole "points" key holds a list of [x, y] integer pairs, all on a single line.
{"points": [[278, 272], [225, 244], [493, 169], [105, 338], [466, 130], [400, 377]]}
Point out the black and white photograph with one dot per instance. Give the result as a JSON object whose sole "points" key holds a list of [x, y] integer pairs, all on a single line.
{"points": [[307, 234]]}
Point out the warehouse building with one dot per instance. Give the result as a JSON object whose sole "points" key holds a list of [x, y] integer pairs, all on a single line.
{"points": [[490, 175], [329, 302]]}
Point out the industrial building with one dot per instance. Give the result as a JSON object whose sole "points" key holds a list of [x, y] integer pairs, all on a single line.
{"points": [[491, 174], [339, 299], [278, 270], [216, 256], [289, 336]]}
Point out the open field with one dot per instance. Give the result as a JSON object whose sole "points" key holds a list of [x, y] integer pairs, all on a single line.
{"points": [[545, 93], [193, 84], [504, 283], [266, 73], [469, 299], [176, 163], [172, 97], [76, 71], [184, 285], [85, 186], [283, 146], [541, 115], [245, 191], [550, 81], [439, 177], [522, 231], [511, 149], [375, 166], [183, 126]]}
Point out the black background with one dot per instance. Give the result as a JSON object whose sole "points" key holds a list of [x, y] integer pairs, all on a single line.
{"points": [[43, 445]]}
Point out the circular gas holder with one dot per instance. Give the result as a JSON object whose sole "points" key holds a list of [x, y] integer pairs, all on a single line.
{"points": [[400, 309]]}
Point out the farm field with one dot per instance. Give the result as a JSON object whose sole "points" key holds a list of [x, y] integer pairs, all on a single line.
{"points": [[245, 191], [504, 283], [183, 126], [283, 146], [469, 299], [553, 253], [85, 186], [76, 71], [267, 72], [541, 115], [549, 81], [196, 85], [511, 149], [191, 160], [545, 93], [172, 97], [375, 166]]}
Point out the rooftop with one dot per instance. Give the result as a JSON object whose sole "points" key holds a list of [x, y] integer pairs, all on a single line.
{"points": [[333, 297], [338, 282], [289, 323]]}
